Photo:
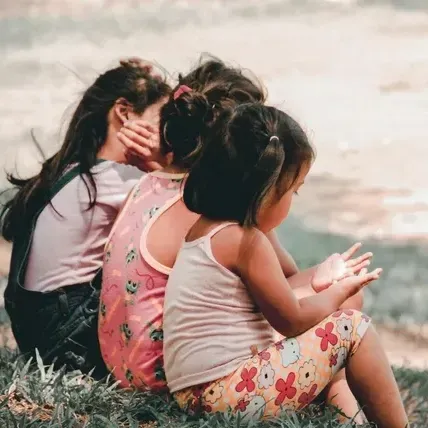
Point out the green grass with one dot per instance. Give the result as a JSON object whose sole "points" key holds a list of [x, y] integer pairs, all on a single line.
{"points": [[40, 397]]}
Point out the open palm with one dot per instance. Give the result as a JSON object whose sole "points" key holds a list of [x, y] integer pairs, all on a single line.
{"points": [[338, 266]]}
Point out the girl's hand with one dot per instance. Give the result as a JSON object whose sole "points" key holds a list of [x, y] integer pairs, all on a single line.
{"points": [[351, 285], [142, 145], [339, 266]]}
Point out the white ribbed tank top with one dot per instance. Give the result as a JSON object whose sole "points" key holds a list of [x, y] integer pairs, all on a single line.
{"points": [[211, 323]]}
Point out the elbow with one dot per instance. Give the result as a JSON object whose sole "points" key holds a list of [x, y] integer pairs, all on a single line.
{"points": [[289, 326], [291, 271]]}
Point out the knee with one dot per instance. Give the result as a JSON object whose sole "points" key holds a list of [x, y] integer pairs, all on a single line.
{"points": [[351, 324]]}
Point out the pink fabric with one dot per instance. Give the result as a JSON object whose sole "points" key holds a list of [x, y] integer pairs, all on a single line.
{"points": [[132, 296]]}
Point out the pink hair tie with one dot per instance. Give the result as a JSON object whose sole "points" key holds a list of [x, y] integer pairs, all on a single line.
{"points": [[181, 90]]}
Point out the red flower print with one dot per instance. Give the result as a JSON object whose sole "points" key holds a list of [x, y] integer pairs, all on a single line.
{"points": [[247, 380], [264, 355], [196, 407], [197, 392], [242, 405], [348, 312], [285, 388], [333, 360], [279, 346], [326, 336], [307, 397]]}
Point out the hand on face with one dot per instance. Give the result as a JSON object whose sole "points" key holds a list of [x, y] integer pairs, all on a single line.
{"points": [[142, 145], [339, 266]]}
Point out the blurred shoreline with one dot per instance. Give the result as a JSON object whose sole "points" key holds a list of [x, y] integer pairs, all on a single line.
{"points": [[355, 76]]}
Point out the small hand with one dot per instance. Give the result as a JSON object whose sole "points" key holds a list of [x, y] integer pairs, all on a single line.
{"points": [[339, 266], [351, 285]]}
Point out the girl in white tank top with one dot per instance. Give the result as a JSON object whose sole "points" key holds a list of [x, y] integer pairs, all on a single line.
{"points": [[227, 294]]}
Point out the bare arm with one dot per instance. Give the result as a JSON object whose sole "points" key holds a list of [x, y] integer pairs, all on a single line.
{"points": [[296, 278], [262, 273], [288, 265]]}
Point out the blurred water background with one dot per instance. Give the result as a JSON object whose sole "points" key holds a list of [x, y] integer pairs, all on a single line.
{"points": [[354, 73]]}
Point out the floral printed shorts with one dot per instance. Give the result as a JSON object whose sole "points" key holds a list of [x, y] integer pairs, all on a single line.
{"points": [[286, 376]]}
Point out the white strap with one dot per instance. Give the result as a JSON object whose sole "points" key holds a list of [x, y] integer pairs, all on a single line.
{"points": [[217, 229]]}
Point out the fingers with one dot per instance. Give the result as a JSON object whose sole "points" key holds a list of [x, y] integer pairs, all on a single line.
{"points": [[127, 138], [359, 260], [357, 268], [353, 284], [351, 251], [142, 130], [370, 276], [137, 62], [141, 127]]}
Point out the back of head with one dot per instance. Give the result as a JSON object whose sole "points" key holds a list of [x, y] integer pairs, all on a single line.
{"points": [[253, 149], [188, 116], [130, 83]]}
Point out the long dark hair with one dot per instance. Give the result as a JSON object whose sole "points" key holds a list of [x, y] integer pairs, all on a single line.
{"points": [[86, 134], [252, 150], [186, 120]]}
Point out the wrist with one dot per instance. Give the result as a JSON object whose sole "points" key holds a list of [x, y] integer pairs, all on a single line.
{"points": [[337, 294]]}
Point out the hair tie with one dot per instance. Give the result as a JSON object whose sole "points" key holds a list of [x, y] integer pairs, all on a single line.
{"points": [[182, 89], [273, 138], [164, 135]]}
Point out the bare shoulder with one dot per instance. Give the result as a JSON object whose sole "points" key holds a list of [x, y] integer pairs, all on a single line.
{"points": [[235, 243]]}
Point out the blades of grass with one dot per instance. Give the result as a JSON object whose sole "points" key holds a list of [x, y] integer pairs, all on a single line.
{"points": [[112, 387], [106, 421], [26, 368], [40, 366]]}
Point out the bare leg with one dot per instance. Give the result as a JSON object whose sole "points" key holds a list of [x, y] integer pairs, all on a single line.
{"points": [[372, 381], [338, 392], [339, 395]]}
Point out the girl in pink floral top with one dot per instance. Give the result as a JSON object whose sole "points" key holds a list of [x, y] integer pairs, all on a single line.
{"points": [[130, 326]]}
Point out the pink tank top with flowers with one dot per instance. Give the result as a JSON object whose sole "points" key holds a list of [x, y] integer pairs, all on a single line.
{"points": [[133, 288]]}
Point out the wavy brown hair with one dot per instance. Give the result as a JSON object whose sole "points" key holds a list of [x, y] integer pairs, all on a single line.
{"points": [[86, 134]]}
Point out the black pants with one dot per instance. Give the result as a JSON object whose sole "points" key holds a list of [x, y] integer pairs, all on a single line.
{"points": [[62, 325]]}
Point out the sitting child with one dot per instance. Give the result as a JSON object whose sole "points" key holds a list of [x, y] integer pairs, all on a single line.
{"points": [[59, 220], [227, 295]]}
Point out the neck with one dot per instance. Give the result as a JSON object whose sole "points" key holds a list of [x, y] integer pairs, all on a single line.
{"points": [[112, 148], [175, 169]]}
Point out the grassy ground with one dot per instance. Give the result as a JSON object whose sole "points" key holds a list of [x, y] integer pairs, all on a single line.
{"points": [[40, 397]]}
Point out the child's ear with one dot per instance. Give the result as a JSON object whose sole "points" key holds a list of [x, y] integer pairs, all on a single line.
{"points": [[122, 109]]}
